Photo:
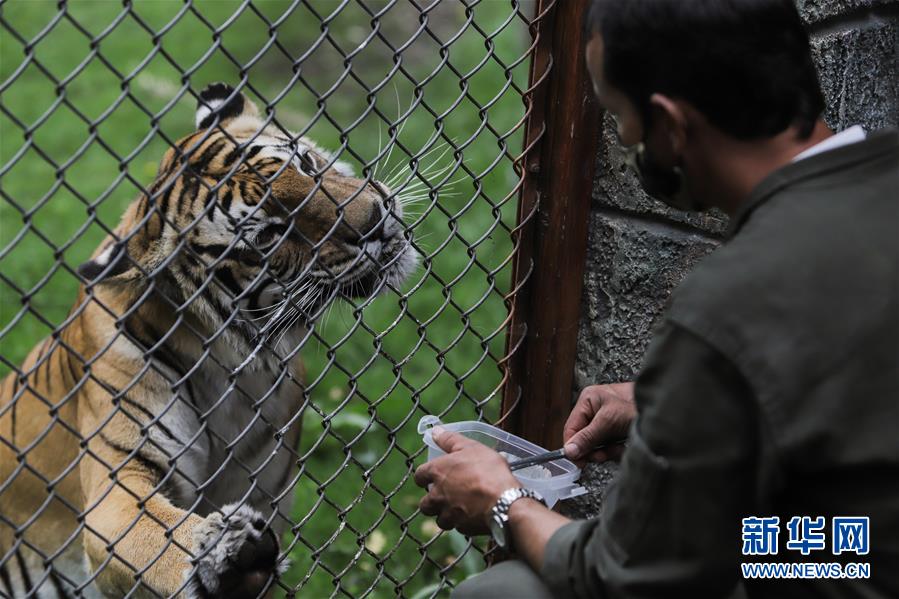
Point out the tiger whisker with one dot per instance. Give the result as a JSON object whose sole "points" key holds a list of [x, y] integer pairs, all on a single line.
{"points": [[417, 204], [423, 175], [445, 146], [434, 173], [395, 138], [287, 328], [271, 328], [442, 145], [283, 308], [422, 193], [378, 164], [413, 196], [418, 197], [290, 302], [310, 293], [250, 320], [409, 177], [262, 309], [395, 176], [426, 194], [328, 314]]}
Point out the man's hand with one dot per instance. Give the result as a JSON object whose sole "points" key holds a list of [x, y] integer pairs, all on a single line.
{"points": [[464, 484], [602, 414]]}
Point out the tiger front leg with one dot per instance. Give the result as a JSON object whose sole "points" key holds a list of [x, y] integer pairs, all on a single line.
{"points": [[136, 538]]}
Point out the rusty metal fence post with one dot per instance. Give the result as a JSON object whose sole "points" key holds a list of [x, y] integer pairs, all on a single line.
{"points": [[563, 134]]}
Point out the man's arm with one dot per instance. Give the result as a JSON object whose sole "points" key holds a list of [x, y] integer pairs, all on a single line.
{"points": [[602, 415], [532, 526], [672, 522]]}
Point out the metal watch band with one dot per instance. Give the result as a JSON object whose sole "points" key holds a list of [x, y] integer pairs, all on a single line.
{"points": [[510, 496], [501, 511]]}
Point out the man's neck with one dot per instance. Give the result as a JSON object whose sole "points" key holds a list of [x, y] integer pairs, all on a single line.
{"points": [[744, 165]]}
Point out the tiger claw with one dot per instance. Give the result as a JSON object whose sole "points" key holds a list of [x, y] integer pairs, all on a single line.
{"points": [[236, 555]]}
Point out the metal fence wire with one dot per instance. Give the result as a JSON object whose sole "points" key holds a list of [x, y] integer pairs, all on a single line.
{"points": [[246, 246]]}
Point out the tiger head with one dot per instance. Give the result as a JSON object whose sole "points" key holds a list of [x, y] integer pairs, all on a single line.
{"points": [[246, 222]]}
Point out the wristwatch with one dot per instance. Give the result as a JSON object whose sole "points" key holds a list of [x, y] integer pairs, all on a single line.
{"points": [[499, 518]]}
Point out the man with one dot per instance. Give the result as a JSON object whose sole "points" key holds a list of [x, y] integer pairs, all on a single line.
{"points": [[771, 388]]}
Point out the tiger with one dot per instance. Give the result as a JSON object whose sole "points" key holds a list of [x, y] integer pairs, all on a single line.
{"points": [[148, 447]]}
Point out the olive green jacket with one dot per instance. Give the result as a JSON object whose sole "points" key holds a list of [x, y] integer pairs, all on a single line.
{"points": [[770, 389]]}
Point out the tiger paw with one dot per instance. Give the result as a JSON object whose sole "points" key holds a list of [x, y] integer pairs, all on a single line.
{"points": [[236, 554]]}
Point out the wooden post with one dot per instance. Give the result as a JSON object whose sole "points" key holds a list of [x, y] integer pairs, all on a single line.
{"points": [[561, 143]]}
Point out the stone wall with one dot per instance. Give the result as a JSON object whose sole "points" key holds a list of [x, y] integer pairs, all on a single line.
{"points": [[639, 250]]}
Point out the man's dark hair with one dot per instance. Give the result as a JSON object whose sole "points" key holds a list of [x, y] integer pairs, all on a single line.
{"points": [[745, 64]]}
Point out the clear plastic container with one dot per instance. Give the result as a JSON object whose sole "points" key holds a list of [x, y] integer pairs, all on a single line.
{"points": [[562, 482]]}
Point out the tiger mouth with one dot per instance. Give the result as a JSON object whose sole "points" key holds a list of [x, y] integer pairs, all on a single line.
{"points": [[376, 271], [372, 271]]}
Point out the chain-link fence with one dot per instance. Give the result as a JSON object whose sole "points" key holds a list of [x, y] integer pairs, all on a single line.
{"points": [[225, 307]]}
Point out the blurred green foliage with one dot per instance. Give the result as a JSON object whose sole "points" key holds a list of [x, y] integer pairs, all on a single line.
{"points": [[95, 87]]}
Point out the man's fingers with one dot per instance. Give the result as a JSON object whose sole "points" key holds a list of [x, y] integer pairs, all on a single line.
{"points": [[582, 442], [581, 415], [449, 441], [445, 520], [423, 475], [602, 413], [576, 421], [430, 506]]}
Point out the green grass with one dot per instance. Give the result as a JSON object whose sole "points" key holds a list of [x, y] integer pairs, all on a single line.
{"points": [[430, 347]]}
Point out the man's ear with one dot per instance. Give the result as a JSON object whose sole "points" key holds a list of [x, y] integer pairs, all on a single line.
{"points": [[672, 120], [224, 102]]}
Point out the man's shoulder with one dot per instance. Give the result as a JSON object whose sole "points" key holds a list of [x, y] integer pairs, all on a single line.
{"points": [[715, 298], [744, 271], [803, 257]]}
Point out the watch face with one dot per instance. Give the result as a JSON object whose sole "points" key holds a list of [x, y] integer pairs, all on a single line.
{"points": [[498, 530]]}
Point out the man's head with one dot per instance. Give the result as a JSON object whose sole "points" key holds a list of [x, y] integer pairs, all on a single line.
{"points": [[673, 71]]}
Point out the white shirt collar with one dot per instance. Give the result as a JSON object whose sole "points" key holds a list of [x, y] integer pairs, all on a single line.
{"points": [[844, 138]]}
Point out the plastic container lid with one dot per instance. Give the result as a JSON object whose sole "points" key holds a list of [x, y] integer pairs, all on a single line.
{"points": [[563, 474]]}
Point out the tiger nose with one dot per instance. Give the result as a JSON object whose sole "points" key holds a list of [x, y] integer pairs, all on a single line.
{"points": [[374, 228]]}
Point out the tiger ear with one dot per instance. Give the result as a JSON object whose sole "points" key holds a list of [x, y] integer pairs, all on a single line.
{"points": [[111, 262], [222, 101]]}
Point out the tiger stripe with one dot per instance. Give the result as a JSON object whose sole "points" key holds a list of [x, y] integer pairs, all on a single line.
{"points": [[23, 572]]}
